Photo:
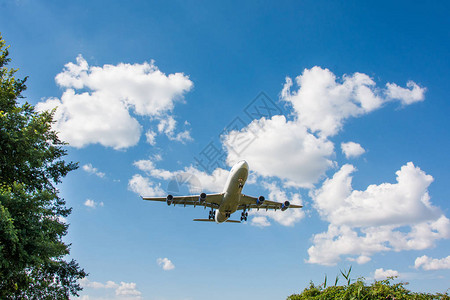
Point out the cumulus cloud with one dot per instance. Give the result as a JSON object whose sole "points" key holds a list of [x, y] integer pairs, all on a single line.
{"points": [[266, 139], [412, 94], [167, 126], [352, 149], [285, 218], [260, 221], [323, 102], [97, 103], [92, 204], [381, 274], [385, 217], [195, 180], [429, 263], [127, 289], [401, 203], [320, 105], [144, 186], [91, 170], [124, 290], [165, 264]]}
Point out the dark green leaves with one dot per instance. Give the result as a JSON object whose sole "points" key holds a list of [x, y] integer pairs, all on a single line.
{"points": [[32, 225]]}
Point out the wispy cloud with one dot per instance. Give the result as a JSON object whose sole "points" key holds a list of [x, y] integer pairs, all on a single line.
{"points": [[122, 290], [92, 204], [89, 168], [165, 264]]}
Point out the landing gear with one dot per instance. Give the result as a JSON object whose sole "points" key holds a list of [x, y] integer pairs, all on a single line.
{"points": [[212, 214], [244, 216], [227, 214]]}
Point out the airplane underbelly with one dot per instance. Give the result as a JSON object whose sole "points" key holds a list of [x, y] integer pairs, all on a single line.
{"points": [[230, 203]]}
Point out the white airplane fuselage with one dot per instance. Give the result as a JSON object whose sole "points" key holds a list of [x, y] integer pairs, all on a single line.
{"points": [[232, 191]]}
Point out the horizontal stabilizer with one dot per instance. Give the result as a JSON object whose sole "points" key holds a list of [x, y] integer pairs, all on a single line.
{"points": [[209, 220]]}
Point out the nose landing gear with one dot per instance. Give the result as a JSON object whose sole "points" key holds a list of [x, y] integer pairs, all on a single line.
{"points": [[241, 184]]}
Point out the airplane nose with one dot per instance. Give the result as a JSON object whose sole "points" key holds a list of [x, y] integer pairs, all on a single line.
{"points": [[244, 164]]}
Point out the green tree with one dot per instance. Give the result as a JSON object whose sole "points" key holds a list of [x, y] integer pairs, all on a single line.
{"points": [[32, 226]]}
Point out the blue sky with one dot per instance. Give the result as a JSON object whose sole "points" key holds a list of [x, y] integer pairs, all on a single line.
{"points": [[142, 88]]}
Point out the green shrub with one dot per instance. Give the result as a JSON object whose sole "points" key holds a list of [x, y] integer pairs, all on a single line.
{"points": [[358, 290]]}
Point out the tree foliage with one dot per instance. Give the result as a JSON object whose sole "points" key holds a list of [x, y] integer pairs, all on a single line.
{"points": [[32, 226], [358, 290]]}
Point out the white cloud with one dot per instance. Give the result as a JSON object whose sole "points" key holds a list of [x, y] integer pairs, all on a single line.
{"points": [[263, 142], [404, 202], [196, 180], [83, 119], [144, 187], [127, 289], [412, 94], [285, 218], [90, 169], [157, 157], [260, 221], [150, 136], [385, 217], [165, 264], [92, 204], [96, 104], [122, 291], [167, 126], [352, 149], [323, 102], [363, 259], [381, 274], [429, 263]]}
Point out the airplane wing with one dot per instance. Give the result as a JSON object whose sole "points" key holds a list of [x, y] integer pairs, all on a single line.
{"points": [[251, 202], [212, 200]]}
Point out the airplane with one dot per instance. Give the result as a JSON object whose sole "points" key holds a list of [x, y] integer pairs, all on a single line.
{"points": [[229, 201]]}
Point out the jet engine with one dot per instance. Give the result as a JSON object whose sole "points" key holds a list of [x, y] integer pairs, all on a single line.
{"points": [[202, 197], [285, 205], [169, 199], [260, 200]]}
